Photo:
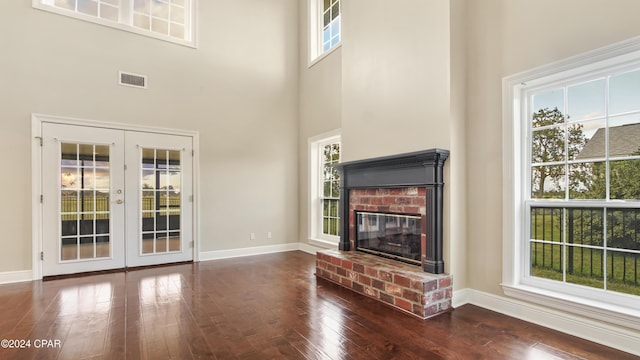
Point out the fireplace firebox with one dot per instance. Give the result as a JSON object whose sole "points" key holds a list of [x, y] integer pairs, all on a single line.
{"points": [[392, 235]]}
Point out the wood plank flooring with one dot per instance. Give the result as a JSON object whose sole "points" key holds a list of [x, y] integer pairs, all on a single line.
{"points": [[260, 307]]}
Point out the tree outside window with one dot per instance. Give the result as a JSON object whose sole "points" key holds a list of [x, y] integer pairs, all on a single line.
{"points": [[330, 190], [585, 180]]}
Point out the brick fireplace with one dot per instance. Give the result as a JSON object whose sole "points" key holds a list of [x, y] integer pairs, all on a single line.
{"points": [[405, 183], [391, 232]]}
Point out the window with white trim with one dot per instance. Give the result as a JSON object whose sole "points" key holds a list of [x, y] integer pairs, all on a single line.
{"points": [[170, 20], [576, 147], [325, 26], [325, 187], [330, 193]]}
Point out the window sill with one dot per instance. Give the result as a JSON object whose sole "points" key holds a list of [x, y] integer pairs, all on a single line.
{"points": [[596, 310], [317, 59], [323, 243]]}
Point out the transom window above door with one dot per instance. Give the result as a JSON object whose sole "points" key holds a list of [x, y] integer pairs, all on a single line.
{"points": [[170, 20]]}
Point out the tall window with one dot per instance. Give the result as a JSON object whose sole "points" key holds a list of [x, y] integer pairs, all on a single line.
{"points": [[330, 192], [579, 155], [165, 19], [324, 26], [324, 219], [585, 182]]}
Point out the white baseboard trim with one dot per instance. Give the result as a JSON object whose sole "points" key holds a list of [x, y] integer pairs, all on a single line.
{"points": [[309, 249], [27, 275], [16, 276], [616, 337], [258, 250], [461, 297]]}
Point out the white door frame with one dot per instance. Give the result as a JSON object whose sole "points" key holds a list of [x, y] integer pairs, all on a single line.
{"points": [[36, 176]]}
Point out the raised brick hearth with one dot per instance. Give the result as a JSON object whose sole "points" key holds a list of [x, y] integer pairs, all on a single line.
{"points": [[400, 285]]}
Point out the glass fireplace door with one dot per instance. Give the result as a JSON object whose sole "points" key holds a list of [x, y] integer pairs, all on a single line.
{"points": [[392, 235]]}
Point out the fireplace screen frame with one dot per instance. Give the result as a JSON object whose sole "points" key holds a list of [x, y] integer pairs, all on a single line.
{"points": [[417, 233]]}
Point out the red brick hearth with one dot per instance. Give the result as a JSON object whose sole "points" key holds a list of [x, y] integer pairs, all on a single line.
{"points": [[400, 285]]}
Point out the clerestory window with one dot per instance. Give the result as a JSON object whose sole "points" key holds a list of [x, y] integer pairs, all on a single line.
{"points": [[171, 20], [325, 27]]}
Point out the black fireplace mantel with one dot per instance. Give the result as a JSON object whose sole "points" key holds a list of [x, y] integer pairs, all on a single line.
{"points": [[415, 169]]}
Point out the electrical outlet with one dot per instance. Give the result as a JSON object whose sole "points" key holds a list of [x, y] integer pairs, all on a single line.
{"points": [[252, 236], [269, 235]]}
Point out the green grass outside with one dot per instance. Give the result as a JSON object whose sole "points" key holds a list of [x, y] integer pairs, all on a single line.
{"points": [[584, 265], [622, 276], [546, 225], [100, 204]]}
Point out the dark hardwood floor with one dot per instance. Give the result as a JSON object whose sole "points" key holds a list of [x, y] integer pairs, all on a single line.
{"points": [[260, 307]]}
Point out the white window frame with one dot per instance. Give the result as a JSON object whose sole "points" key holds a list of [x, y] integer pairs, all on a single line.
{"points": [[316, 52], [617, 308], [316, 145], [125, 22]]}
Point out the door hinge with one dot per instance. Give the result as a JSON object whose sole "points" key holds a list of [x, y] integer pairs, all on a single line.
{"points": [[42, 255], [191, 244], [190, 198], [39, 139], [41, 199], [125, 166], [193, 153]]}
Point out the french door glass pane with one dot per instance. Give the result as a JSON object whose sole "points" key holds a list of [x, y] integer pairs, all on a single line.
{"points": [[84, 201], [160, 187]]}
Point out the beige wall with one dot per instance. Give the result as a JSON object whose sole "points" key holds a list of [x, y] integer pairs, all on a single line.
{"points": [[387, 83], [506, 37], [455, 246], [239, 89], [320, 107], [399, 94], [395, 77]]}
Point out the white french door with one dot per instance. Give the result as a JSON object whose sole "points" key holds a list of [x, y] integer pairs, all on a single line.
{"points": [[158, 197], [114, 198]]}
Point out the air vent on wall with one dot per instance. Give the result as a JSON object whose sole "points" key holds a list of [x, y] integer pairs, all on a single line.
{"points": [[135, 80]]}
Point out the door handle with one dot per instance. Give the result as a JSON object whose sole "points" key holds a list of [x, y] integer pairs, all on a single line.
{"points": [[119, 201]]}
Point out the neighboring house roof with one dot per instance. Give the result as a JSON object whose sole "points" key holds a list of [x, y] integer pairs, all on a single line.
{"points": [[623, 140]]}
